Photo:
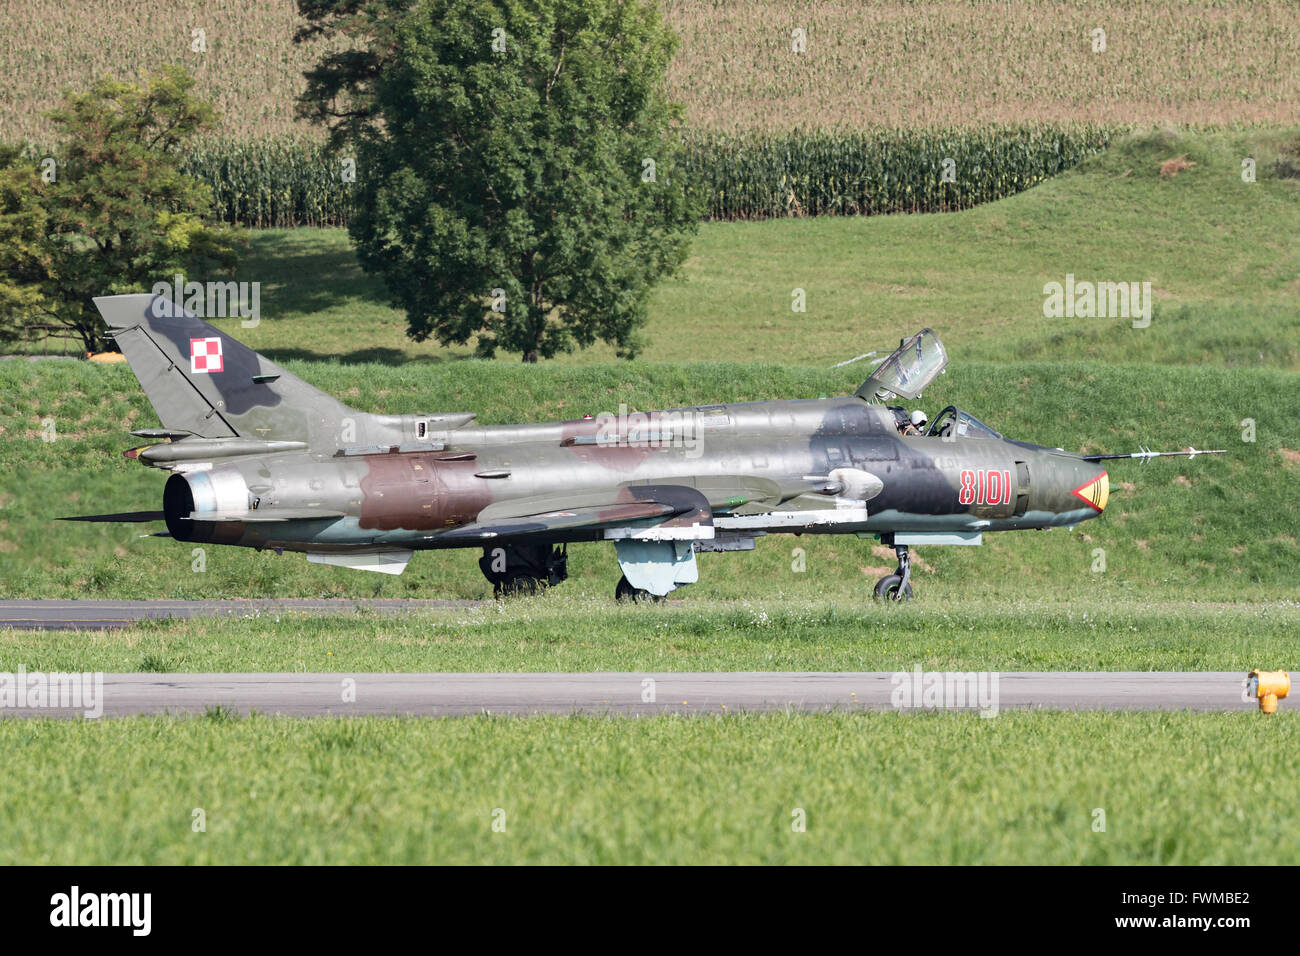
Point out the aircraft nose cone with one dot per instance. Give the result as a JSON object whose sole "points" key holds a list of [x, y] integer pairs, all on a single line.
{"points": [[1094, 491]]}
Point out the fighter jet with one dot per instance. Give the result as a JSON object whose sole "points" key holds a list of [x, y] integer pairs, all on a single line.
{"points": [[260, 459]]}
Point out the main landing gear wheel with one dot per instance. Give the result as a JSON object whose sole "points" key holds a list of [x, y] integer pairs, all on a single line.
{"points": [[625, 592], [523, 570], [897, 586]]}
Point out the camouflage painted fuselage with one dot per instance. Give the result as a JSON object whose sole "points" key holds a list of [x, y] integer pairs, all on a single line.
{"points": [[411, 498], [261, 459]]}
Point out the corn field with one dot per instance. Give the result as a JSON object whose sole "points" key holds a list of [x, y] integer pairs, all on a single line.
{"points": [[872, 172], [881, 92], [751, 176], [829, 64], [864, 64], [272, 183]]}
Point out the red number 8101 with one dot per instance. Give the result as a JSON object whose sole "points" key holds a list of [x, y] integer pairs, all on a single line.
{"points": [[984, 487]]}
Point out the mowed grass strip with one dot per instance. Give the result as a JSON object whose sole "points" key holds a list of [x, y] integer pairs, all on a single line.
{"points": [[568, 634], [1175, 788]]}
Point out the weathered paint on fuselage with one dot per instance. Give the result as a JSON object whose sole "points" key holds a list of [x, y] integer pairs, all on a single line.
{"points": [[259, 458], [410, 498]]}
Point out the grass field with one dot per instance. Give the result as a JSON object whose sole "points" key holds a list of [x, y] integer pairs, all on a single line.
{"points": [[873, 788], [866, 63], [574, 633]]}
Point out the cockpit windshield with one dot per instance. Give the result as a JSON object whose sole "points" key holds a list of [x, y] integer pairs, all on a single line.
{"points": [[907, 371], [952, 422]]}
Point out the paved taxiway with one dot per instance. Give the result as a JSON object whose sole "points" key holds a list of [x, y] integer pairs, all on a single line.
{"points": [[446, 695], [100, 615]]}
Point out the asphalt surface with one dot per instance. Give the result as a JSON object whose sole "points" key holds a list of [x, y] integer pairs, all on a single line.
{"points": [[446, 695], [101, 615]]}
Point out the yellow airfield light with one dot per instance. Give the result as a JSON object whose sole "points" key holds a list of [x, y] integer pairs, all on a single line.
{"points": [[1268, 687]]}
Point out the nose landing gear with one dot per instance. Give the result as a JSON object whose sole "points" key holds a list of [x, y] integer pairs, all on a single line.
{"points": [[897, 586]]}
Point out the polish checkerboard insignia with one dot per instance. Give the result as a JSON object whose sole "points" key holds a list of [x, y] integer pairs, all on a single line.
{"points": [[205, 356]]}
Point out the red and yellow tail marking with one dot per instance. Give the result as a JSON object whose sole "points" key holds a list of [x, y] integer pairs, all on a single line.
{"points": [[1094, 492]]}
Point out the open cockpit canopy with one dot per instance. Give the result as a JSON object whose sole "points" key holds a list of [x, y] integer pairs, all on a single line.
{"points": [[907, 372]]}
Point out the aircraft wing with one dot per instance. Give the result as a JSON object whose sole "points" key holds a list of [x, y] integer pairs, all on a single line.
{"points": [[651, 511], [121, 516]]}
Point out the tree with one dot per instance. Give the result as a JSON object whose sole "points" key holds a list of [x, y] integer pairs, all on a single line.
{"points": [[114, 214], [340, 87], [22, 237], [517, 167]]}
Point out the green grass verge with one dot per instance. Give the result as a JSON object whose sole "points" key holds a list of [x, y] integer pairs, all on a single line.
{"points": [[873, 788], [572, 634]]}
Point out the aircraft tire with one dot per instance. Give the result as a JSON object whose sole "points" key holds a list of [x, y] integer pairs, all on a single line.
{"points": [[625, 592], [887, 589]]}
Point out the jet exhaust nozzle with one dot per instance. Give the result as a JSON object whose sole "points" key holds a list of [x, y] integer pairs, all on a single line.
{"points": [[189, 496]]}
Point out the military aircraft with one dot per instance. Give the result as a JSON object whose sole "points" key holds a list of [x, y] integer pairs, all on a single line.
{"points": [[260, 459]]}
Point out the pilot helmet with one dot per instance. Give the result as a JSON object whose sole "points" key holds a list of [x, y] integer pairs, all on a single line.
{"points": [[918, 418]]}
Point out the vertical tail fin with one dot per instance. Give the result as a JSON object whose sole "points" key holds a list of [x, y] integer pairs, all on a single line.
{"points": [[200, 380]]}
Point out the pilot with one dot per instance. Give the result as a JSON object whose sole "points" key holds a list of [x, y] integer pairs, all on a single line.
{"points": [[916, 424]]}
